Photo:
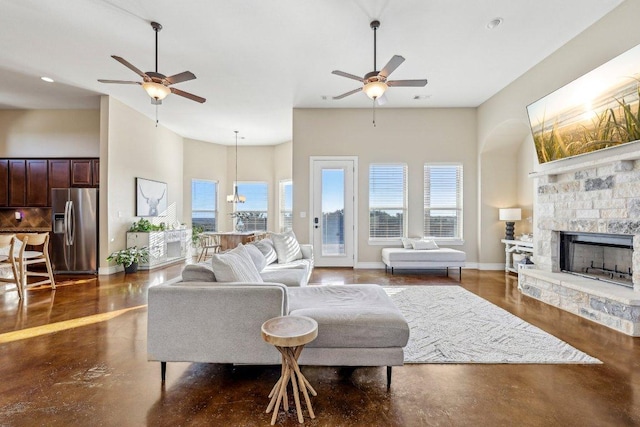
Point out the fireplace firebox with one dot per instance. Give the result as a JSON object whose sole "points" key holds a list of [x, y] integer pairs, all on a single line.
{"points": [[606, 257]]}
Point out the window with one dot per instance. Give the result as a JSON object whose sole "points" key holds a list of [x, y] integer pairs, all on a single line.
{"points": [[286, 206], [387, 200], [252, 215], [443, 201], [204, 204]]}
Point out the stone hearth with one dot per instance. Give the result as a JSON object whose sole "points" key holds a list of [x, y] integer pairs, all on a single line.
{"points": [[594, 197]]}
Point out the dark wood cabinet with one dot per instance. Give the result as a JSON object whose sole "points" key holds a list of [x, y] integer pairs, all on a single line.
{"points": [[96, 172], [28, 182], [59, 173], [37, 183], [17, 183], [81, 173], [4, 182]]}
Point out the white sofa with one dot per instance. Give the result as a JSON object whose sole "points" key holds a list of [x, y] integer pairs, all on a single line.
{"points": [[440, 258]]}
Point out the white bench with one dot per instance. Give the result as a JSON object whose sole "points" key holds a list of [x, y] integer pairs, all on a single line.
{"points": [[418, 259]]}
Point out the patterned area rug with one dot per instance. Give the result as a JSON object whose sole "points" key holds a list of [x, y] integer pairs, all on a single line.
{"points": [[452, 325]]}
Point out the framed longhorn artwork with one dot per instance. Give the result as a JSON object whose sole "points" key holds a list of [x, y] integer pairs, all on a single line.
{"points": [[151, 197]]}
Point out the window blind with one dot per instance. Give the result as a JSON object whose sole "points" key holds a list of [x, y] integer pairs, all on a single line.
{"points": [[443, 201], [286, 206], [387, 200], [204, 204]]}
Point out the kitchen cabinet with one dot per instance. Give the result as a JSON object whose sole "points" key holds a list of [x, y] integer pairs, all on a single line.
{"points": [[59, 173], [85, 172], [17, 183], [4, 182], [81, 173], [37, 182]]}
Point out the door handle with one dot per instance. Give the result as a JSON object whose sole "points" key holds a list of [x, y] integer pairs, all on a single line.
{"points": [[315, 222]]}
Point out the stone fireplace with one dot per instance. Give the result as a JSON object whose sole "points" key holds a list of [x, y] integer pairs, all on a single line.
{"points": [[587, 241]]}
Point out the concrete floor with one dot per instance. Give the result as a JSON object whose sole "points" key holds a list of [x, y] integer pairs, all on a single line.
{"points": [[77, 357]]}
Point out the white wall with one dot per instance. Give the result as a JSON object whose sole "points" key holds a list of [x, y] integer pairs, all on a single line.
{"points": [[135, 147], [283, 170], [49, 133], [412, 136], [204, 160]]}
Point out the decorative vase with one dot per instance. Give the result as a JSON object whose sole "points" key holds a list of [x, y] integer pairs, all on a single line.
{"points": [[133, 268]]}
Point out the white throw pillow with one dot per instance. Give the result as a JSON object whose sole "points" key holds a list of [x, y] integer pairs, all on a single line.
{"points": [[406, 243], [235, 265], [256, 256], [267, 249], [424, 244], [287, 247]]}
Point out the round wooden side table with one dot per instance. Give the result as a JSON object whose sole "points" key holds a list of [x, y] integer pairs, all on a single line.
{"points": [[289, 334]]}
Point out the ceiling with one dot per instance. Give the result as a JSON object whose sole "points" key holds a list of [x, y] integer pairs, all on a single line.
{"points": [[256, 60]]}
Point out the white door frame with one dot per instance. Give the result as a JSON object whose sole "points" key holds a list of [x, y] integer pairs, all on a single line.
{"points": [[354, 159]]}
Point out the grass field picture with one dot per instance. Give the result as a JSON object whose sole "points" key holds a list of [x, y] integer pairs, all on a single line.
{"points": [[599, 110]]}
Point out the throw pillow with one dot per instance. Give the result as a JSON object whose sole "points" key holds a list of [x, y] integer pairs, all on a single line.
{"points": [[406, 243], [256, 256], [235, 266], [267, 249], [198, 273], [287, 247], [424, 244]]}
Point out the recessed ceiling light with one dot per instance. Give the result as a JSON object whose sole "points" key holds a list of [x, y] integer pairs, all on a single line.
{"points": [[494, 23], [47, 79]]}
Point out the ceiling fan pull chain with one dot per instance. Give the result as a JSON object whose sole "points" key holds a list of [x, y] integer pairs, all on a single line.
{"points": [[156, 115], [374, 113]]}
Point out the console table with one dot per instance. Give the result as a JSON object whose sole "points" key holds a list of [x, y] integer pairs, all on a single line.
{"points": [[165, 247], [515, 246]]}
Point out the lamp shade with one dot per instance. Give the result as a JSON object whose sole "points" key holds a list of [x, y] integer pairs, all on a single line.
{"points": [[511, 214], [375, 90], [156, 90]]}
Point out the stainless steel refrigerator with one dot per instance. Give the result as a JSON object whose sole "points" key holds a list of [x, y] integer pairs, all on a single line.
{"points": [[74, 241]]}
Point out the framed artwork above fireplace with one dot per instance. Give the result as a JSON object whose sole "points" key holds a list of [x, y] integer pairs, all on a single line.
{"points": [[596, 111]]}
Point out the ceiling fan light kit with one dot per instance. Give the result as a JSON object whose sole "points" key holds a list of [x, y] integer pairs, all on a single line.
{"points": [[375, 83], [155, 84]]}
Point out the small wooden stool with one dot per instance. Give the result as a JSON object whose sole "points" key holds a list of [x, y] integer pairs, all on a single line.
{"points": [[289, 334]]}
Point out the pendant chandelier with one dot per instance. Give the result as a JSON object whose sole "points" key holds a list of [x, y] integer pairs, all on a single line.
{"points": [[235, 197]]}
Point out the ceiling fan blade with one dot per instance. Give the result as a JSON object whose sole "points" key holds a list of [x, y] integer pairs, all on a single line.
{"points": [[187, 95], [407, 83], [351, 92], [179, 78], [347, 75], [131, 67], [391, 66], [381, 100], [122, 82]]}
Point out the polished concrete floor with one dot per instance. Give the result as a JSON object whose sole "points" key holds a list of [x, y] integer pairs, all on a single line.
{"points": [[77, 357]]}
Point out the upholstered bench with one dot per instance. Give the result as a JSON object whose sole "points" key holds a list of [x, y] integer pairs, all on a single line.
{"points": [[423, 259]]}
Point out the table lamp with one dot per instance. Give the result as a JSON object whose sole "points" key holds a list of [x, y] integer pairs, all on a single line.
{"points": [[510, 215]]}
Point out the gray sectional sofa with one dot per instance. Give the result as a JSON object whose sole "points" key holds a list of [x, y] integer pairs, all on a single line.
{"points": [[219, 322]]}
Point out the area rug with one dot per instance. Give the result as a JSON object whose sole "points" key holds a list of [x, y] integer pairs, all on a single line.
{"points": [[452, 325]]}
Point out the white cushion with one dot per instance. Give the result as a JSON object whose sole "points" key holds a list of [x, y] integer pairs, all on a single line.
{"points": [[235, 265], [257, 257], [423, 244], [287, 247], [406, 243], [267, 249]]}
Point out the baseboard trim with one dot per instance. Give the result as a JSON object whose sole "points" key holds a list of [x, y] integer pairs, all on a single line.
{"points": [[105, 271], [490, 266]]}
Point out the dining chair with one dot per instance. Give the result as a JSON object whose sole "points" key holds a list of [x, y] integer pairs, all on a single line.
{"points": [[30, 257], [208, 241], [9, 253]]}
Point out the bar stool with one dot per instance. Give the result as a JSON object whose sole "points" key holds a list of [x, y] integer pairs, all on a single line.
{"points": [[32, 257]]}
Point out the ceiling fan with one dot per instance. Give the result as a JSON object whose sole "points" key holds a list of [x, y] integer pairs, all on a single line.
{"points": [[375, 83], [155, 84]]}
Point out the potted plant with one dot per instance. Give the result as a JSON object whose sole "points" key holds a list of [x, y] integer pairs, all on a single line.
{"points": [[129, 258]]}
